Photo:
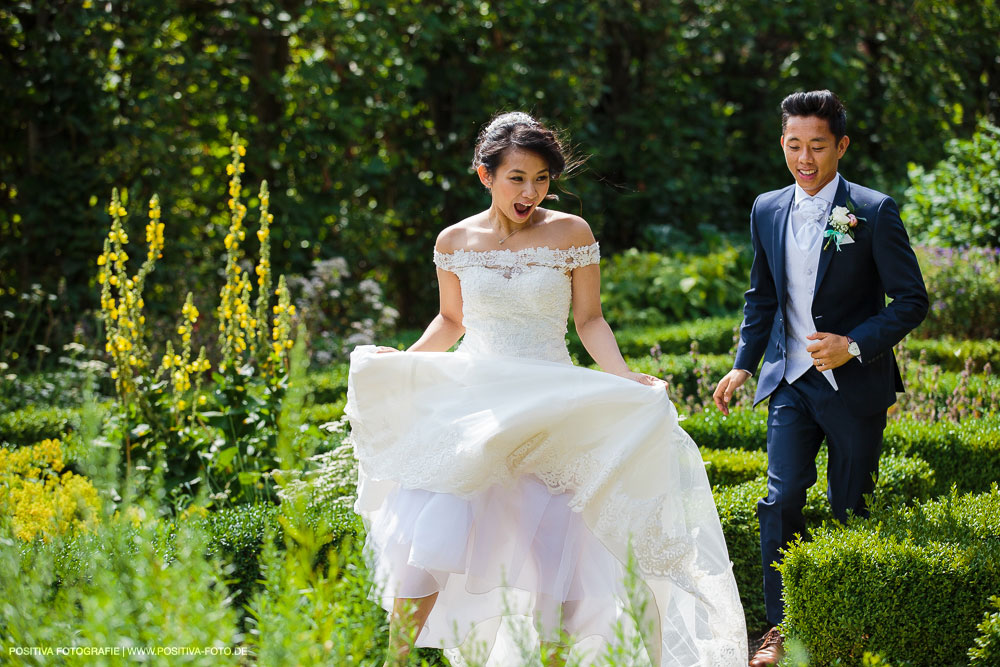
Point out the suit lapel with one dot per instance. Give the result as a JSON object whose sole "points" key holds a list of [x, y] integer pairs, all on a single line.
{"points": [[779, 222], [826, 256]]}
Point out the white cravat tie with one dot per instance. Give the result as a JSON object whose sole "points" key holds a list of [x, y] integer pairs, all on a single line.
{"points": [[810, 218]]}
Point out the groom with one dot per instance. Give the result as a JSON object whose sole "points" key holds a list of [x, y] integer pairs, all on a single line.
{"points": [[816, 313]]}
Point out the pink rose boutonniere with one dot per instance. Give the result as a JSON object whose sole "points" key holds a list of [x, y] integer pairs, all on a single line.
{"points": [[842, 223]]}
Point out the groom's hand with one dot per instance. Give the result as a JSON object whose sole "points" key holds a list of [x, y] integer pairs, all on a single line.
{"points": [[733, 380], [829, 350]]}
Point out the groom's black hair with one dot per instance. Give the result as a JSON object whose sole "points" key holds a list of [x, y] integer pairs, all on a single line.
{"points": [[820, 103]]}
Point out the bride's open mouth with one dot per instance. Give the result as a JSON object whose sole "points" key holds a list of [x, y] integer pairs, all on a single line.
{"points": [[522, 210]]}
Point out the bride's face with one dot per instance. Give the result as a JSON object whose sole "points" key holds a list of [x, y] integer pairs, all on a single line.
{"points": [[519, 184]]}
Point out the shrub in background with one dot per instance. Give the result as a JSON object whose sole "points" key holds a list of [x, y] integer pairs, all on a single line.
{"points": [[957, 203], [713, 335], [340, 311], [964, 288], [650, 289]]}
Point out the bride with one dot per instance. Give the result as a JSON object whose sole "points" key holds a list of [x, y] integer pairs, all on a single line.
{"points": [[505, 490]]}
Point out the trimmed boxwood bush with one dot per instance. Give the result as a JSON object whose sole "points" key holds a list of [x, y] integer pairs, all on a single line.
{"points": [[892, 585], [32, 424], [713, 336], [727, 467], [966, 454], [742, 429], [901, 480]]}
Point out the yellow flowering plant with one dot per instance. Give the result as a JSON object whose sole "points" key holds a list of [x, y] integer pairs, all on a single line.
{"points": [[223, 433], [41, 497]]}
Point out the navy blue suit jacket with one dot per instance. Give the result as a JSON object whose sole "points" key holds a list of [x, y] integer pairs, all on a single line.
{"points": [[849, 299]]}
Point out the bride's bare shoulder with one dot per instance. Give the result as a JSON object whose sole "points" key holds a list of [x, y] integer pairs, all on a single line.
{"points": [[568, 230], [460, 235]]}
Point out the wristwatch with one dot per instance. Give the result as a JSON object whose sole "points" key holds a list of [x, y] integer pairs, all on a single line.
{"points": [[853, 347]]}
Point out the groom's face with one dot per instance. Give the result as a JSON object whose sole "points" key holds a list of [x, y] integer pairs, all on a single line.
{"points": [[811, 151]]}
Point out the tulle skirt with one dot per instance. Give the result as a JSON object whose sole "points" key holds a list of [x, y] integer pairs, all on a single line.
{"points": [[517, 490]]}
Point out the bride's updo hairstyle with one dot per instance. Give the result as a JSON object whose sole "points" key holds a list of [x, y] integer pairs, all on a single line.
{"points": [[517, 129]]}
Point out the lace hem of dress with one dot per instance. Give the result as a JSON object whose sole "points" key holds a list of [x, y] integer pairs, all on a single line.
{"points": [[558, 258]]}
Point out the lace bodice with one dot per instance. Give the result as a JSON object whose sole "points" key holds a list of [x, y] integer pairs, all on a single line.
{"points": [[516, 302]]}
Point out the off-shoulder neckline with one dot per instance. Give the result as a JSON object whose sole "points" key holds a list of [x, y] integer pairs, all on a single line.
{"points": [[595, 244]]}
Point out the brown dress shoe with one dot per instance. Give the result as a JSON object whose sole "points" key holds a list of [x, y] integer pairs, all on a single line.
{"points": [[771, 651]]}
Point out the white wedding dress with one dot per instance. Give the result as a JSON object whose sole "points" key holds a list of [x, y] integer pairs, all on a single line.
{"points": [[515, 485]]}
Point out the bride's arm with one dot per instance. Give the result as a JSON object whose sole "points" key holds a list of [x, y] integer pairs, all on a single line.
{"points": [[593, 329], [445, 329]]}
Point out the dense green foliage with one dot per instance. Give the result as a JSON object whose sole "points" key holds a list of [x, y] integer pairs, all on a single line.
{"points": [[887, 585], [957, 203], [362, 117]]}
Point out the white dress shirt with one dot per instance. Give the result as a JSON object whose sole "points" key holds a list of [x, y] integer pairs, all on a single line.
{"points": [[803, 245]]}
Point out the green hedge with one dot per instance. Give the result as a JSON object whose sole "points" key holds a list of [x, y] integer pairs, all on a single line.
{"points": [[742, 429], [951, 354], [728, 467], [966, 454], [31, 424], [912, 586], [902, 479], [684, 371], [713, 336]]}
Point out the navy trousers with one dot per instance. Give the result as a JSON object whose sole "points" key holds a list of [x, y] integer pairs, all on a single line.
{"points": [[800, 415]]}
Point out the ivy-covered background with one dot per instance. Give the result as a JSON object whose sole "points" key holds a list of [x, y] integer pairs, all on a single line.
{"points": [[362, 115]]}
